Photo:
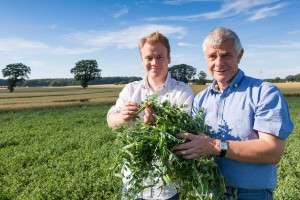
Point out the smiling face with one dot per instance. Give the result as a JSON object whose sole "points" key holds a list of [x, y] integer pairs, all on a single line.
{"points": [[222, 61], [155, 59]]}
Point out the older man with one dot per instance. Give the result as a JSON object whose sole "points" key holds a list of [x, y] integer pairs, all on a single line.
{"points": [[248, 120]]}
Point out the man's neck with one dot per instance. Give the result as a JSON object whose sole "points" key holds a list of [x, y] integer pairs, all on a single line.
{"points": [[154, 84]]}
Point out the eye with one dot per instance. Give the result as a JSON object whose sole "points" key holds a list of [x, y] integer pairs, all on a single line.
{"points": [[226, 56], [212, 57]]}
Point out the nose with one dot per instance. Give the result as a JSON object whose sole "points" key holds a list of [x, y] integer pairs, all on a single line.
{"points": [[219, 61], [153, 62]]}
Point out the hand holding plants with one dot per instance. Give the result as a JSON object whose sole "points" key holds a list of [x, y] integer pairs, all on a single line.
{"points": [[129, 110], [198, 145], [145, 151], [148, 117]]}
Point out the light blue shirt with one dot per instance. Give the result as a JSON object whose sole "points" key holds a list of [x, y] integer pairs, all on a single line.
{"points": [[246, 106]]}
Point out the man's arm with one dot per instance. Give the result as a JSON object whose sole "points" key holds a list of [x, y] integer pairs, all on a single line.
{"points": [[128, 112], [268, 149]]}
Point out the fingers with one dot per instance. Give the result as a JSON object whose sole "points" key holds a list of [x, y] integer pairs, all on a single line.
{"points": [[185, 152], [149, 117], [190, 149], [128, 110], [199, 145], [188, 136]]}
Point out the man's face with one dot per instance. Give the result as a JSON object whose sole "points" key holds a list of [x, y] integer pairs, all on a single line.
{"points": [[155, 59], [223, 61]]}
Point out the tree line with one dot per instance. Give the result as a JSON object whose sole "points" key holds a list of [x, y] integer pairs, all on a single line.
{"points": [[87, 72], [56, 82]]}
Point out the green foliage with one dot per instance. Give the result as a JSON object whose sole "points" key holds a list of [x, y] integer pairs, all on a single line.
{"points": [[16, 73], [202, 78], [67, 153], [85, 71], [288, 185], [289, 78], [182, 72], [144, 149], [59, 153], [71, 81]]}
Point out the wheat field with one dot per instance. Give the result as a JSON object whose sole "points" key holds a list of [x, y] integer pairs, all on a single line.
{"points": [[37, 97]]}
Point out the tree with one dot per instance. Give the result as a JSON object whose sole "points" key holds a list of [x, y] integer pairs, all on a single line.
{"points": [[16, 72], [85, 71], [202, 77], [297, 77], [290, 78], [277, 80], [182, 72], [55, 83]]}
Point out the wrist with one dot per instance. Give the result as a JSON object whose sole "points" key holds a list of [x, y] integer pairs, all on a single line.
{"points": [[223, 146], [216, 147]]}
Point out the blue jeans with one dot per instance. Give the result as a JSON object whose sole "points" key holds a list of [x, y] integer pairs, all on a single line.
{"points": [[175, 197], [248, 194]]}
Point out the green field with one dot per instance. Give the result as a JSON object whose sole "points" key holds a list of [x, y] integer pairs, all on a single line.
{"points": [[65, 152], [56, 153]]}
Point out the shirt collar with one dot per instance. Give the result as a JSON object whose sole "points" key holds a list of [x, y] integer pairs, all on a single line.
{"points": [[167, 82], [233, 84]]}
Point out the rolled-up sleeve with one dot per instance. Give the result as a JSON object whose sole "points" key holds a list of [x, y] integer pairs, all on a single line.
{"points": [[272, 114]]}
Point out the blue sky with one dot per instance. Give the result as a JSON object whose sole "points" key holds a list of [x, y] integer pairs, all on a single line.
{"points": [[50, 36]]}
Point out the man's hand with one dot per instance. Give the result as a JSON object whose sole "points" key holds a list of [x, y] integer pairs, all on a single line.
{"points": [[198, 145], [148, 117], [129, 110]]}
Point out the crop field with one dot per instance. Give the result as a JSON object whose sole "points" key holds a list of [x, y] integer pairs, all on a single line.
{"points": [[57, 96], [37, 97], [55, 144]]}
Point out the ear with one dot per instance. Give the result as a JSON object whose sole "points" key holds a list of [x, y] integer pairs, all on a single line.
{"points": [[169, 57], [240, 55]]}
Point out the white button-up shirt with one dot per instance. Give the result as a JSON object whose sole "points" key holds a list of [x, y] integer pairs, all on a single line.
{"points": [[177, 93]]}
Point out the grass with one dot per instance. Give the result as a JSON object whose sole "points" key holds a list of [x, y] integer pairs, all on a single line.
{"points": [[64, 151], [56, 153], [288, 186]]}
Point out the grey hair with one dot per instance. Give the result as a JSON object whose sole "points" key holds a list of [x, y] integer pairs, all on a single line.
{"points": [[219, 35]]}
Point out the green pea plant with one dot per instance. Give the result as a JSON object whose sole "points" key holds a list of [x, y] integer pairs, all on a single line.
{"points": [[144, 149]]}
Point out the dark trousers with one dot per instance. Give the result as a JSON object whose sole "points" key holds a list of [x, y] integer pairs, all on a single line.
{"points": [[248, 194]]}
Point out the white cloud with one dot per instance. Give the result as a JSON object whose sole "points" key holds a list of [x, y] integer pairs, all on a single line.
{"points": [[286, 70], [294, 32], [126, 38], [36, 63], [73, 51], [179, 2], [228, 8], [17, 44], [285, 45], [183, 44], [266, 12], [53, 26], [122, 12]]}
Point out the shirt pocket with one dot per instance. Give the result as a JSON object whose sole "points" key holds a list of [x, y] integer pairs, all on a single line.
{"points": [[241, 124]]}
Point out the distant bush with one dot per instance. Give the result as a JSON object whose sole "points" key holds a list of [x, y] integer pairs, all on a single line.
{"points": [[72, 81]]}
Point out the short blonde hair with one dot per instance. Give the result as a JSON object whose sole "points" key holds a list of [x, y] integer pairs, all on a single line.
{"points": [[153, 38]]}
